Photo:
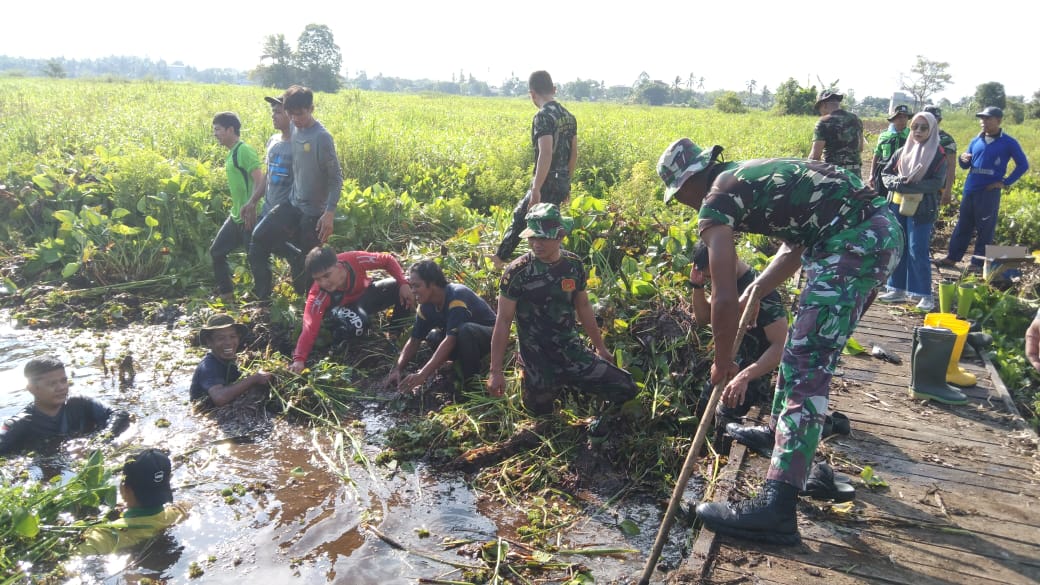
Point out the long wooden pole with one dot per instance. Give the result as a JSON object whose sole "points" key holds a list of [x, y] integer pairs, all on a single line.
{"points": [[695, 447]]}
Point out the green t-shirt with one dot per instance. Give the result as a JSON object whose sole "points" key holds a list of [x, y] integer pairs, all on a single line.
{"points": [[889, 142], [241, 161], [136, 526]]}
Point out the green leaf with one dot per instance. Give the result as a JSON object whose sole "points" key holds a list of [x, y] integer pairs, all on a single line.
{"points": [[70, 269], [26, 525], [629, 528], [65, 216], [871, 479], [151, 221], [119, 213], [852, 347]]}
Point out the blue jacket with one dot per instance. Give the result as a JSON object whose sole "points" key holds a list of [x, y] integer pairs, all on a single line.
{"points": [[989, 162]]}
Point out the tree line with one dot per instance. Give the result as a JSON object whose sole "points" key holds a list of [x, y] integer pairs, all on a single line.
{"points": [[317, 62]]}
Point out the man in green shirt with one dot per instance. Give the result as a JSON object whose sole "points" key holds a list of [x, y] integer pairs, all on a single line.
{"points": [[888, 143], [244, 175]]}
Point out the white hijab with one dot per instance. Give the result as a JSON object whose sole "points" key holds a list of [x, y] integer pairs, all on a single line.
{"points": [[917, 156]]}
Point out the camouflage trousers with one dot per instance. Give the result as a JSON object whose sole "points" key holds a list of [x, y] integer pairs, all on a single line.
{"points": [[544, 377], [842, 273]]}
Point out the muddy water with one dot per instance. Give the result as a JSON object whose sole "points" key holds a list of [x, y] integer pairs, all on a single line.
{"points": [[301, 517]]}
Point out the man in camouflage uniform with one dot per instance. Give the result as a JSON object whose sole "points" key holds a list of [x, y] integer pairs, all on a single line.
{"points": [[838, 136], [949, 146], [847, 241], [888, 143], [554, 136], [545, 290], [761, 348]]}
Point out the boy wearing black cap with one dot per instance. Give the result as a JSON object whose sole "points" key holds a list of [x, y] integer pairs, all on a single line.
{"points": [[217, 378], [146, 490], [53, 413]]}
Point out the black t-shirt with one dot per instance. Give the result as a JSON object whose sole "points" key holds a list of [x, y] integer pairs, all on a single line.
{"points": [[211, 372], [80, 415]]}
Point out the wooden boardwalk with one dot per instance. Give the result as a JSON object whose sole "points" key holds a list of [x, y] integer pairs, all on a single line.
{"points": [[963, 498]]}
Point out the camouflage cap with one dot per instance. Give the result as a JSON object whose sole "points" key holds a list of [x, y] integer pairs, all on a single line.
{"points": [[680, 161], [934, 110], [900, 109], [545, 221]]}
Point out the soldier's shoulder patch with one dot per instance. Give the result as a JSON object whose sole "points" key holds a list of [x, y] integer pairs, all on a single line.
{"points": [[457, 303], [568, 285]]}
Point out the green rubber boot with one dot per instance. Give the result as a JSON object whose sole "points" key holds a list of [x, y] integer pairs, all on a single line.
{"points": [[965, 295], [947, 296], [929, 359]]}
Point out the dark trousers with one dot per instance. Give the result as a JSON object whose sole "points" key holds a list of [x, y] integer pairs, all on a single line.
{"points": [[472, 345], [289, 233], [556, 189], [230, 236], [977, 217], [378, 297]]}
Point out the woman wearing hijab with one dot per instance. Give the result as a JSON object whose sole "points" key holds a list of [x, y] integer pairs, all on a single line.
{"points": [[919, 167]]}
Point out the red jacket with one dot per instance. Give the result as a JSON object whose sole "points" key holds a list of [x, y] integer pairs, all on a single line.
{"points": [[319, 300]]}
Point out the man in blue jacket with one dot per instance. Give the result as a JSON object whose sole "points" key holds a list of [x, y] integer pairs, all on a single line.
{"points": [[986, 160]]}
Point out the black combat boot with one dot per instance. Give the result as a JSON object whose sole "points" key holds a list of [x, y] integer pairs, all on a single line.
{"points": [[758, 438], [768, 517]]}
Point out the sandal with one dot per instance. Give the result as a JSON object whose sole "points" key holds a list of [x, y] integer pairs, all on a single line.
{"points": [[822, 485]]}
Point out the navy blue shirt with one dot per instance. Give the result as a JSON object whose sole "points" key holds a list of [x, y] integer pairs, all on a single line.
{"points": [[211, 372], [80, 415], [461, 305]]}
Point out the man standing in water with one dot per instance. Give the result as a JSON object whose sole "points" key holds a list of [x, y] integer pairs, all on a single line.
{"points": [[847, 241]]}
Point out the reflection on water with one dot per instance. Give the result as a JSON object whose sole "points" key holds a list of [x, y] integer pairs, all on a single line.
{"points": [[295, 520]]}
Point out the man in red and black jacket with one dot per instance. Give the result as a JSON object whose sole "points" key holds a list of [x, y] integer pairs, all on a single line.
{"points": [[343, 296]]}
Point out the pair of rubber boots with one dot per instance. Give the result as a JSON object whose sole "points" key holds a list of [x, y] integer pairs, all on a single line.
{"points": [[930, 362]]}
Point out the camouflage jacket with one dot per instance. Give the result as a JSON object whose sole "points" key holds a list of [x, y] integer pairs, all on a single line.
{"points": [[842, 136], [948, 144], [802, 202], [544, 294]]}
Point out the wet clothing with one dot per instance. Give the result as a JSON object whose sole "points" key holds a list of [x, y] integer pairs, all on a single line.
{"points": [[979, 207], [135, 526], [552, 352], [842, 136], [81, 415], [852, 243], [553, 120], [914, 271], [279, 171], [888, 143], [212, 371], [360, 291], [317, 176], [465, 316]]}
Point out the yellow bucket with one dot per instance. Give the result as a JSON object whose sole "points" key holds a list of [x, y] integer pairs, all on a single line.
{"points": [[897, 197]]}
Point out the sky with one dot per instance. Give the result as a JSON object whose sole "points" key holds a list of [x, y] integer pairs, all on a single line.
{"points": [[727, 43]]}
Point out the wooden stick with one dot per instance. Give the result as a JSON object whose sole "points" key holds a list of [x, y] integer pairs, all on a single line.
{"points": [[695, 447]]}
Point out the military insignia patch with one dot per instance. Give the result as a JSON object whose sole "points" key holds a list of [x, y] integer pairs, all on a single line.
{"points": [[567, 284]]}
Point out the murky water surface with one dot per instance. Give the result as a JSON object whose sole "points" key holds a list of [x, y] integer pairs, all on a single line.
{"points": [[301, 517]]}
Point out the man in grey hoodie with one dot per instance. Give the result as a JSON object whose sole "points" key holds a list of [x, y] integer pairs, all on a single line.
{"points": [[306, 219]]}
